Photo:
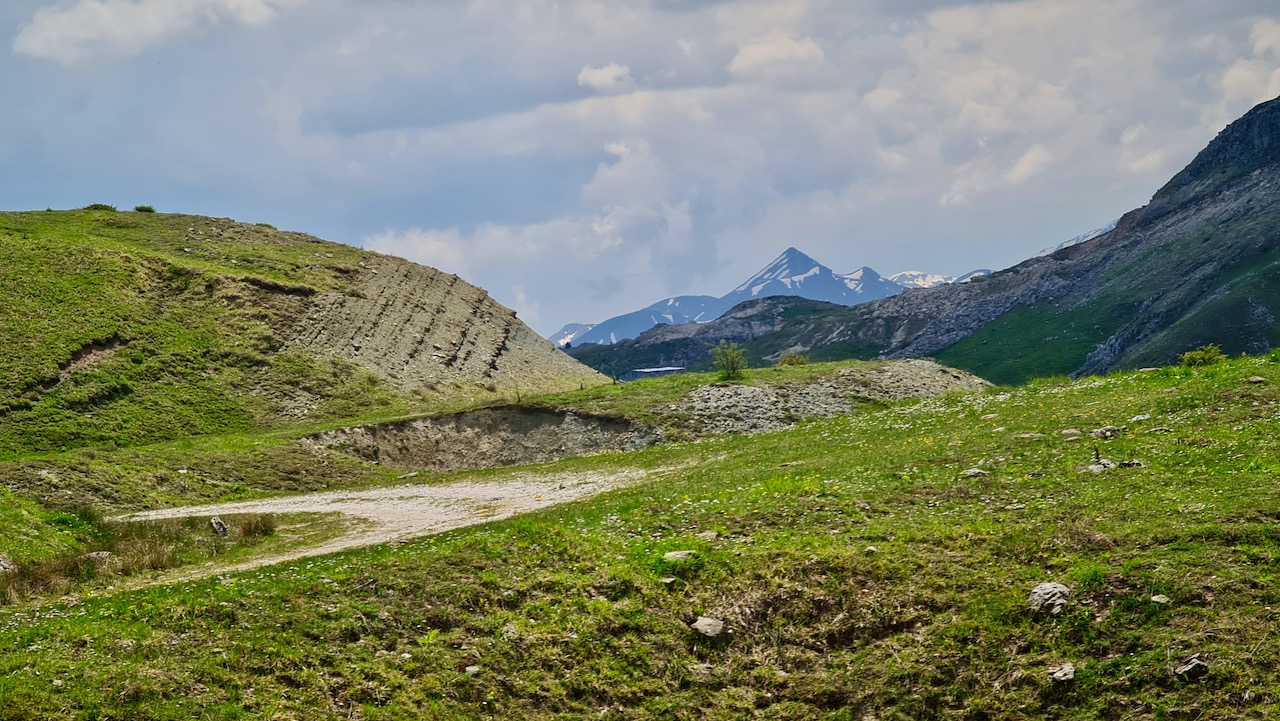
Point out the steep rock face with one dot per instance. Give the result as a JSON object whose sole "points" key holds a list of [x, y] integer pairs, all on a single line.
{"points": [[419, 328], [1199, 264]]}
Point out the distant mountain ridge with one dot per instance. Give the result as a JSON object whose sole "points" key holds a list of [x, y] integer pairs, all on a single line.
{"points": [[1198, 264], [790, 274]]}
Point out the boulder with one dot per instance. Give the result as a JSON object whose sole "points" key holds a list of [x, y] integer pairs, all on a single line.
{"points": [[1049, 598]]}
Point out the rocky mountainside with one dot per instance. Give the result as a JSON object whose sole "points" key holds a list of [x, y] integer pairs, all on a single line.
{"points": [[1199, 264], [790, 274]]}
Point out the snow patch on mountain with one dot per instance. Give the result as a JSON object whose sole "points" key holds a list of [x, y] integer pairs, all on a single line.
{"points": [[791, 273], [1096, 232]]}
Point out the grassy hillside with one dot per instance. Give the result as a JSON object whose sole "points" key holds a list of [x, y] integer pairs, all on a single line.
{"points": [[129, 328], [124, 328], [860, 571]]}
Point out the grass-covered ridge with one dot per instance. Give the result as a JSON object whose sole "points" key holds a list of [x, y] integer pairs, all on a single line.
{"points": [[862, 573], [126, 328]]}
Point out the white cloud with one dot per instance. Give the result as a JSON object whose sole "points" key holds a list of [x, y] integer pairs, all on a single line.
{"points": [[92, 29], [443, 250], [525, 307], [1266, 39], [611, 78], [777, 53], [1032, 163]]}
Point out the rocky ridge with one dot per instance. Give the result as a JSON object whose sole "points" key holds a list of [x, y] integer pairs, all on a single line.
{"points": [[418, 328], [1195, 265]]}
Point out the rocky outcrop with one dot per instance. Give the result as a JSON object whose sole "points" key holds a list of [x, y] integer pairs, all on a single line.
{"points": [[487, 438], [420, 328]]}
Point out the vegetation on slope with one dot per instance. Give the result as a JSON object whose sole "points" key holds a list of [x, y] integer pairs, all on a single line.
{"points": [[860, 571], [126, 328]]}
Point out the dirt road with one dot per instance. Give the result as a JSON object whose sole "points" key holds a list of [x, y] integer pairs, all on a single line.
{"points": [[403, 512]]}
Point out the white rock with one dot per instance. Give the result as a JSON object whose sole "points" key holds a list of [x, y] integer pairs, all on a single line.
{"points": [[709, 627]]}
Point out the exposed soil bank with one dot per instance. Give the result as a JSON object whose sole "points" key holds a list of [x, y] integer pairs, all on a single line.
{"points": [[488, 438]]}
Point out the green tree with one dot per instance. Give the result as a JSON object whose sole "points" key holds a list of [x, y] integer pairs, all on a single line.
{"points": [[729, 360]]}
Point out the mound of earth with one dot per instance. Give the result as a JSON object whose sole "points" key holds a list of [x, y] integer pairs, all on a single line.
{"points": [[725, 408]]}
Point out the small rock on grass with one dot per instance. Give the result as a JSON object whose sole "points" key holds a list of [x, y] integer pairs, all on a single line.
{"points": [[1105, 432], [1070, 433], [7, 566], [471, 670], [1160, 598], [707, 536], [709, 627], [1255, 379], [974, 473], [1049, 597], [1192, 667], [678, 555], [1103, 464], [1065, 672]]}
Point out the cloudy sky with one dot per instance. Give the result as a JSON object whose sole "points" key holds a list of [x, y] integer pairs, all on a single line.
{"points": [[583, 158]]}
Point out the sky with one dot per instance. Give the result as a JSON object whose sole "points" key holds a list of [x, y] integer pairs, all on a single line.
{"points": [[584, 158]]}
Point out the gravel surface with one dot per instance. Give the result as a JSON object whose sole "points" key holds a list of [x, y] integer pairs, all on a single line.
{"points": [[403, 512]]}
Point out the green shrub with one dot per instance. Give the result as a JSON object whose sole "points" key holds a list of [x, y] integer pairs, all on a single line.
{"points": [[792, 359], [144, 209], [100, 206], [729, 360], [1205, 355]]}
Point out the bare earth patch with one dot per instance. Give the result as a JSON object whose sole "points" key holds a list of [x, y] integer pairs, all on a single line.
{"points": [[403, 512]]}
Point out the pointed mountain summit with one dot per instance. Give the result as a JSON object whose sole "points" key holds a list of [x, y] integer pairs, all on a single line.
{"points": [[1198, 264], [792, 273]]}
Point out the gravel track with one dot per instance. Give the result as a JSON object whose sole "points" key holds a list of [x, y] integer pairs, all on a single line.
{"points": [[400, 513]]}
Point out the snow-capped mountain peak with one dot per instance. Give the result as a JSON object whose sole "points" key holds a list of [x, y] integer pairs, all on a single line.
{"points": [[791, 273], [789, 270], [919, 279]]}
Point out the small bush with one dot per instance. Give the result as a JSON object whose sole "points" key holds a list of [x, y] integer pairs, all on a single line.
{"points": [[729, 360], [100, 206], [792, 359], [1205, 355], [256, 525], [144, 209]]}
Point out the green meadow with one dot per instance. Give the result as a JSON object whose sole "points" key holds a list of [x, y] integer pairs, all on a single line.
{"points": [[859, 571]]}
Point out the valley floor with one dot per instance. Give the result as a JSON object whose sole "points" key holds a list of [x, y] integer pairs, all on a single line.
{"points": [[871, 566]]}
